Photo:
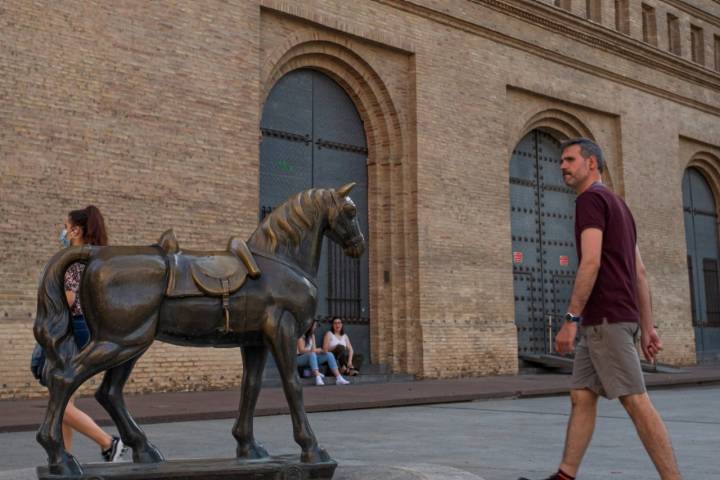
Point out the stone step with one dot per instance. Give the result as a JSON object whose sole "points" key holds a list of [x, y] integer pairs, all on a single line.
{"points": [[369, 374]]}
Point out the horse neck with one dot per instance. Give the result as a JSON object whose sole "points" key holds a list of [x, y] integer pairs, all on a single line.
{"points": [[306, 255]]}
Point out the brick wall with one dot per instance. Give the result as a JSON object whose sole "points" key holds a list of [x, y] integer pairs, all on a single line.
{"points": [[149, 112], [152, 113]]}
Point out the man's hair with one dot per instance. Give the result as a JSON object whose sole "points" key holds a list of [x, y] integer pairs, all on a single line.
{"points": [[588, 148]]}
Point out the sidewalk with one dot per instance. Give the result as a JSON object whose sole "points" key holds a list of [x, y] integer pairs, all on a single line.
{"points": [[23, 415]]}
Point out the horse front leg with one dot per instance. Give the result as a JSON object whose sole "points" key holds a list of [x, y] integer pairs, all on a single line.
{"points": [[110, 396], [284, 348], [254, 358]]}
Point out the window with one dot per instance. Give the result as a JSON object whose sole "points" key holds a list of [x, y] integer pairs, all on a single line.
{"points": [[564, 4], [673, 25], [622, 16], [697, 45], [593, 10], [649, 25], [717, 53]]}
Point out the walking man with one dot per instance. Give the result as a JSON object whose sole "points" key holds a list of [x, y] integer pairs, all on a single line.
{"points": [[610, 305]]}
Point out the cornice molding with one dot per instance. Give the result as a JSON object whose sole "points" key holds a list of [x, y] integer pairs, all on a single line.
{"points": [[695, 12], [586, 32], [560, 21]]}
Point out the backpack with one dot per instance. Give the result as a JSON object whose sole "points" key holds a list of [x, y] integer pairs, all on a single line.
{"points": [[37, 363]]}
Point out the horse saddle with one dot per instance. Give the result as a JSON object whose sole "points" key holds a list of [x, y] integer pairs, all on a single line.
{"points": [[215, 274]]}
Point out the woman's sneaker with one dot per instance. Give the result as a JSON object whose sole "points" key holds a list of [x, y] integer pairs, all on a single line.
{"points": [[560, 475], [116, 449], [319, 381], [341, 381]]}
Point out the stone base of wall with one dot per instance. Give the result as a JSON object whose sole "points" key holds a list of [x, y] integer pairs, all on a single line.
{"points": [[163, 368], [468, 348]]}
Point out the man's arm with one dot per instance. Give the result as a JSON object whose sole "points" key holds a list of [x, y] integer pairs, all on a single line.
{"points": [[591, 247], [649, 340]]}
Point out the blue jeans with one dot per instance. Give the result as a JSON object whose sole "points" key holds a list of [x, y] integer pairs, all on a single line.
{"points": [[314, 360], [80, 331]]}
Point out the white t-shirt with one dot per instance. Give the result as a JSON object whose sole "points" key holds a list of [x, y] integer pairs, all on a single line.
{"points": [[309, 346], [335, 341]]}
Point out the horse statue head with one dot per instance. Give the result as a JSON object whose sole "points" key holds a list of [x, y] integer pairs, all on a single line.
{"points": [[295, 229], [344, 228]]}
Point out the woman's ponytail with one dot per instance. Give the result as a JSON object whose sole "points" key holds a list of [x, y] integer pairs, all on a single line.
{"points": [[93, 224], [95, 233]]}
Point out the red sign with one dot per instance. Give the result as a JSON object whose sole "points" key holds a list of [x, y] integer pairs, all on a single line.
{"points": [[564, 260], [517, 257]]}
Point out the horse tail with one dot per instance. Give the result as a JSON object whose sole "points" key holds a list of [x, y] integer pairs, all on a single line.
{"points": [[52, 323]]}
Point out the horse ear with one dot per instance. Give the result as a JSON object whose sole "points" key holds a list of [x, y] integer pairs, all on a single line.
{"points": [[345, 189]]}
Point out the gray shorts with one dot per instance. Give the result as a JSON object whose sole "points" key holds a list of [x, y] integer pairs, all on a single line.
{"points": [[607, 362]]}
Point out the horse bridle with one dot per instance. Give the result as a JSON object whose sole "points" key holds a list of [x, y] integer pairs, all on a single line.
{"points": [[357, 238]]}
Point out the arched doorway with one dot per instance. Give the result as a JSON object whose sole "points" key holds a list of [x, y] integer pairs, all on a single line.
{"points": [[312, 136], [543, 243], [701, 237]]}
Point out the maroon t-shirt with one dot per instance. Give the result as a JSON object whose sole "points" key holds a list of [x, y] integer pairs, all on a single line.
{"points": [[614, 296]]}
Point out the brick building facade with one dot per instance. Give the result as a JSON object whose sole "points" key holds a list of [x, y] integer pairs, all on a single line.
{"points": [[152, 112]]}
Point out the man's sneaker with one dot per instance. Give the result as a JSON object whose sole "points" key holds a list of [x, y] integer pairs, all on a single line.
{"points": [[319, 381], [341, 381], [116, 449]]}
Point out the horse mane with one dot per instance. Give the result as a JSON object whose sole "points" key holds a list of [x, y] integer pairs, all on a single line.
{"points": [[287, 225]]}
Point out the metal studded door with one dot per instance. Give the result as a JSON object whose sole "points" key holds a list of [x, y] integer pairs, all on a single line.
{"points": [[312, 136], [702, 246], [543, 245]]}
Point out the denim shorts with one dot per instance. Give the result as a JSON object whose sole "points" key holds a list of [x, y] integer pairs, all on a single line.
{"points": [[80, 331]]}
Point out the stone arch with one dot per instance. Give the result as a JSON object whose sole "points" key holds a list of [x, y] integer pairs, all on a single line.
{"points": [[358, 79], [392, 236], [708, 165], [562, 125]]}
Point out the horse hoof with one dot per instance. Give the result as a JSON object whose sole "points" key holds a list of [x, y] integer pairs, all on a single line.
{"points": [[315, 455], [252, 451], [69, 467], [147, 454]]}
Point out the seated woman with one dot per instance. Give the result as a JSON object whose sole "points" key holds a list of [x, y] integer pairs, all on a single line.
{"points": [[310, 355], [338, 343]]}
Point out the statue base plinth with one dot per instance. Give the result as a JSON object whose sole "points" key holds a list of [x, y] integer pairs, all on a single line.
{"points": [[285, 467]]}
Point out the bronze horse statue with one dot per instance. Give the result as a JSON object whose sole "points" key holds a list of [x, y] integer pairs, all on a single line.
{"points": [[134, 295]]}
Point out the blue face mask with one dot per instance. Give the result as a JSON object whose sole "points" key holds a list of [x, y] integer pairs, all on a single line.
{"points": [[64, 239]]}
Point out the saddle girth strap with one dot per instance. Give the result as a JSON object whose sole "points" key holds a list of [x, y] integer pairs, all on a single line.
{"points": [[226, 302]]}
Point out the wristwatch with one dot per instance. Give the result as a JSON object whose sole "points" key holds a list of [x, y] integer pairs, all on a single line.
{"points": [[569, 317]]}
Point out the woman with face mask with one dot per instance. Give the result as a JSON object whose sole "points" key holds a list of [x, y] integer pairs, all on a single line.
{"points": [[85, 226]]}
